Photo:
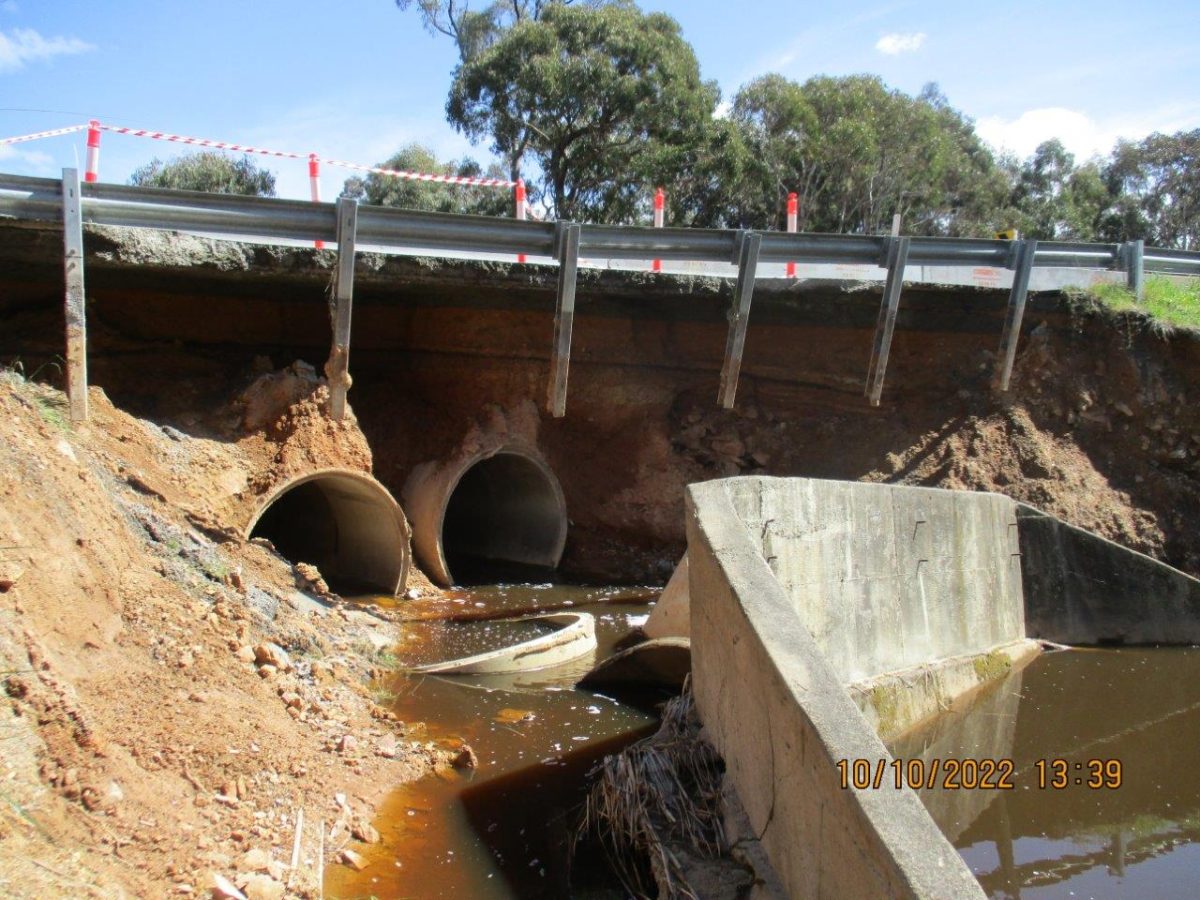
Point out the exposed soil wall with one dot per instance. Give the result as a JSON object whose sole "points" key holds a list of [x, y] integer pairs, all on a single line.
{"points": [[1100, 426]]}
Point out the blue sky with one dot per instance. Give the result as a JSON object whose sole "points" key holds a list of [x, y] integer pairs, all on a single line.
{"points": [[356, 79]]}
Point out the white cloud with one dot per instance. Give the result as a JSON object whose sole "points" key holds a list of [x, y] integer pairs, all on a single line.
{"points": [[1080, 133], [897, 43], [23, 45], [34, 161]]}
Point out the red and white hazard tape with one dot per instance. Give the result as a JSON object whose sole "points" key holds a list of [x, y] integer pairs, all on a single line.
{"points": [[42, 134], [200, 142], [423, 176], [95, 127]]}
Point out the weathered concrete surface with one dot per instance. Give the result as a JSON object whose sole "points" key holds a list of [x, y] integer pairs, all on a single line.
{"points": [[887, 577], [661, 662], [896, 701], [511, 506], [986, 720], [777, 712], [671, 616], [575, 637], [1083, 589], [343, 522]]}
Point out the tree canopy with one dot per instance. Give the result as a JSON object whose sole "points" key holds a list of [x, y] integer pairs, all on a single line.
{"points": [[473, 31], [209, 171], [388, 190], [602, 100], [597, 103]]}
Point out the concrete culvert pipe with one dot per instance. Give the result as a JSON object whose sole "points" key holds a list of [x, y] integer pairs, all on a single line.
{"points": [[343, 522], [502, 506]]}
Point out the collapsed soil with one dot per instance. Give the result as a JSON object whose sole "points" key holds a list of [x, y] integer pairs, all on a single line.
{"points": [[178, 704]]}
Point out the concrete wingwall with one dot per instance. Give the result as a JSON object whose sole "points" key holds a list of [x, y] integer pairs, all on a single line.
{"points": [[810, 599], [778, 713], [1083, 589], [888, 577]]}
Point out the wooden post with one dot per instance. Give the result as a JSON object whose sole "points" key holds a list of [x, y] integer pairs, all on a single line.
{"points": [[885, 326], [567, 241], [337, 368], [739, 316], [75, 303], [1016, 311]]}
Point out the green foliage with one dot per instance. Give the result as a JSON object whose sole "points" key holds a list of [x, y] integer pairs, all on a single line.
{"points": [[209, 171], [474, 31], [605, 101], [857, 153], [388, 190], [1155, 186], [1171, 302]]}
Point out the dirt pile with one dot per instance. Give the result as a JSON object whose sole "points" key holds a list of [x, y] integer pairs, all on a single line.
{"points": [[1100, 428], [173, 710]]}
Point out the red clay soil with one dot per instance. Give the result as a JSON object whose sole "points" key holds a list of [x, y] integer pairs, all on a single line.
{"points": [[170, 704]]}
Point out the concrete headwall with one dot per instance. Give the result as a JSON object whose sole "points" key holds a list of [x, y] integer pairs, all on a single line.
{"points": [[888, 577], [1083, 589], [780, 717]]}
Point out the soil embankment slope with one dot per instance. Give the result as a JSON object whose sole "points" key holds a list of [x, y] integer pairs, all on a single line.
{"points": [[146, 746]]}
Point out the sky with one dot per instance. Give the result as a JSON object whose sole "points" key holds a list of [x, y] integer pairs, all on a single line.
{"points": [[358, 79]]}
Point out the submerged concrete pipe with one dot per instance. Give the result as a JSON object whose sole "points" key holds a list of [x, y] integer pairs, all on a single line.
{"points": [[343, 522], [501, 504]]}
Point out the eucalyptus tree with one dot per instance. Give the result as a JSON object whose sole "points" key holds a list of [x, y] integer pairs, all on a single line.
{"points": [[209, 171], [600, 102], [389, 190]]}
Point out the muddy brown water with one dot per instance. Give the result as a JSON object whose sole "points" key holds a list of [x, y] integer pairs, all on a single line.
{"points": [[1069, 828], [501, 831]]}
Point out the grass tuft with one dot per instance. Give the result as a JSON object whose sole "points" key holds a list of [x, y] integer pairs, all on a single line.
{"points": [[1172, 302]]}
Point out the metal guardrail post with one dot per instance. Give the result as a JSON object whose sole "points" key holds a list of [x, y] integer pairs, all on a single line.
{"points": [[885, 326], [567, 242], [337, 367], [1026, 251], [1135, 253], [739, 316], [75, 301]]}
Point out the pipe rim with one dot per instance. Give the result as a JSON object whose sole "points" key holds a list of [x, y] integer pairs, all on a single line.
{"points": [[404, 533], [528, 454]]}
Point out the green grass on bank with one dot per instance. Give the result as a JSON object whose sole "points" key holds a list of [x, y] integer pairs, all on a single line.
{"points": [[1174, 303]]}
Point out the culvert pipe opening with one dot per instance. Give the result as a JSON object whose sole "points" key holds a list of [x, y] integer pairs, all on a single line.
{"points": [[497, 516], [343, 522]]}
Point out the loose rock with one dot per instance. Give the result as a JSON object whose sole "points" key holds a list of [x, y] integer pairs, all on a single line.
{"points": [[268, 654]]}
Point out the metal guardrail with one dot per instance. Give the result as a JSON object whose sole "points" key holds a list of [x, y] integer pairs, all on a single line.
{"points": [[269, 219]]}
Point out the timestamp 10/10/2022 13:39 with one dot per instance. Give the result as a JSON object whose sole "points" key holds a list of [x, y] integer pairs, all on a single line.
{"points": [[977, 774]]}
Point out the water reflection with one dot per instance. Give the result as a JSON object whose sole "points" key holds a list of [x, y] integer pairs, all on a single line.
{"points": [[499, 832], [1140, 706]]}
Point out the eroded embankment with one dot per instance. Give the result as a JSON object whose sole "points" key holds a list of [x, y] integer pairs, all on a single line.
{"points": [[1101, 426], [172, 703]]}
